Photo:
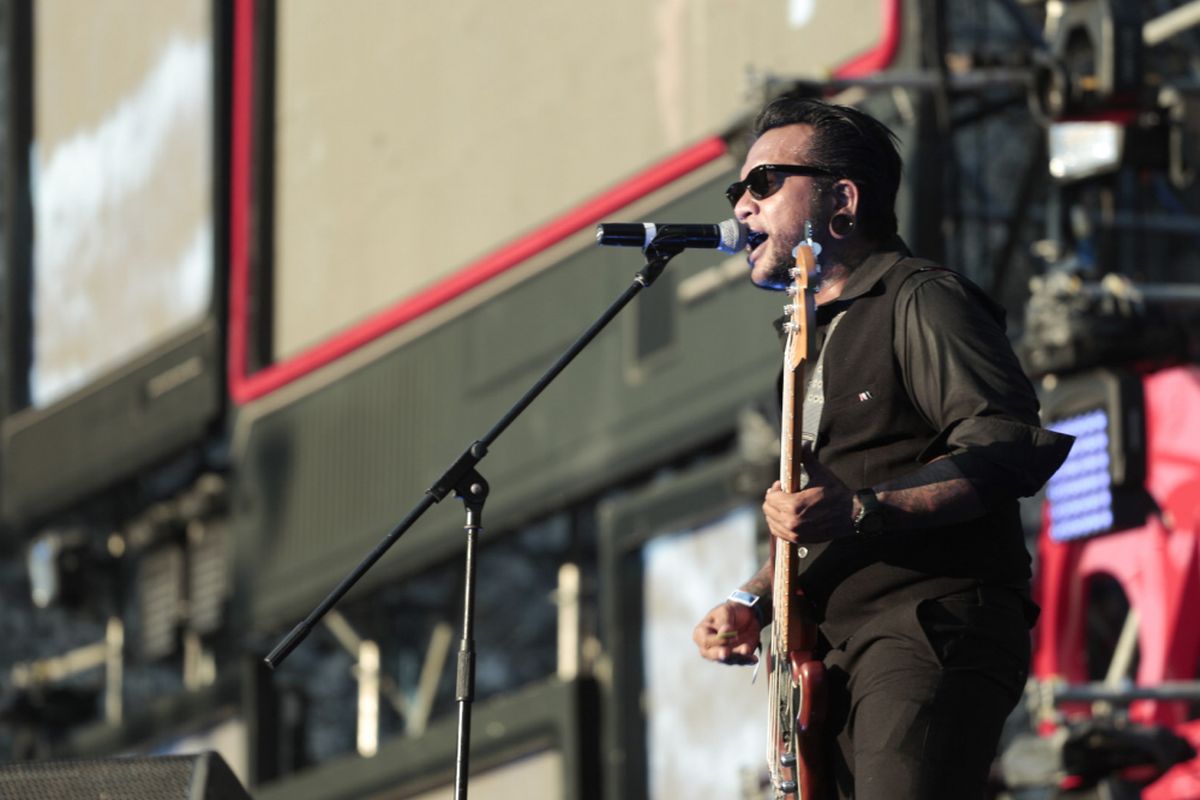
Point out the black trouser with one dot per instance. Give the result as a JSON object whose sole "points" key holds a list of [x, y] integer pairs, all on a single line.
{"points": [[918, 697]]}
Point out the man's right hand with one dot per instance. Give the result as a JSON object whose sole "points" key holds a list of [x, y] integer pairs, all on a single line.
{"points": [[729, 634]]}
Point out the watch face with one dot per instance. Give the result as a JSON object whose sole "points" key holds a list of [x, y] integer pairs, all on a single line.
{"points": [[870, 517]]}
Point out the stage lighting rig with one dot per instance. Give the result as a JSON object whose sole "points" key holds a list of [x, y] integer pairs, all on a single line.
{"points": [[1094, 59], [1103, 101]]}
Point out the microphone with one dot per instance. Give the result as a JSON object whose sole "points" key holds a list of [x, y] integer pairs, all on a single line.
{"points": [[728, 236]]}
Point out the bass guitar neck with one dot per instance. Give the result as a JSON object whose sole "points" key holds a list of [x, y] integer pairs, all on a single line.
{"points": [[796, 678]]}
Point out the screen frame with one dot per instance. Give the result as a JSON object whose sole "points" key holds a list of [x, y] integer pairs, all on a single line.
{"points": [[136, 414], [1119, 394], [254, 372], [627, 525]]}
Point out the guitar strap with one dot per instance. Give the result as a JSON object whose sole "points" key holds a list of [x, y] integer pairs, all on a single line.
{"points": [[814, 397]]}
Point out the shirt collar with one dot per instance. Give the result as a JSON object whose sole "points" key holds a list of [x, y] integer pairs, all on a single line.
{"points": [[859, 282], [862, 279]]}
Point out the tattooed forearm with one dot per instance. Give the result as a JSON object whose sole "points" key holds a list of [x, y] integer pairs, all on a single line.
{"points": [[760, 584], [936, 494]]}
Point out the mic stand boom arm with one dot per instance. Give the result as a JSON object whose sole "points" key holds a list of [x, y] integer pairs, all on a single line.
{"points": [[468, 485]]}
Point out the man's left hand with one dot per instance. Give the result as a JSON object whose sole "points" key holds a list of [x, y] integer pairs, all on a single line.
{"points": [[821, 512]]}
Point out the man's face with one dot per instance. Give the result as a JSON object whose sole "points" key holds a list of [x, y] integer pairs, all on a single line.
{"points": [[776, 222]]}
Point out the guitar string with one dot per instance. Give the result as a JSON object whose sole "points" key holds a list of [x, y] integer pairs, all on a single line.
{"points": [[784, 695]]}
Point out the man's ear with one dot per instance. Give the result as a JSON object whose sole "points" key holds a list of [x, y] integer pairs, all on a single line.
{"points": [[845, 198], [843, 218]]}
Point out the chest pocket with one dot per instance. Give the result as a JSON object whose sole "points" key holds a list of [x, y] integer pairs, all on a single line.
{"points": [[870, 432]]}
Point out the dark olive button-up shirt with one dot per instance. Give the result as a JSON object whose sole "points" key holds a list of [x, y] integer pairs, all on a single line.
{"points": [[962, 375]]}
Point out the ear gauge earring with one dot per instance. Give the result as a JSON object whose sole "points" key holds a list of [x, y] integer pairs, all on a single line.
{"points": [[842, 224]]}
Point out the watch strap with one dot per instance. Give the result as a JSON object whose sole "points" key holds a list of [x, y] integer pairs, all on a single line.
{"points": [[869, 519]]}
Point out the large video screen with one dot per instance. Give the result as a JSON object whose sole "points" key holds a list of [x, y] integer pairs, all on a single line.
{"points": [[121, 172], [410, 140]]}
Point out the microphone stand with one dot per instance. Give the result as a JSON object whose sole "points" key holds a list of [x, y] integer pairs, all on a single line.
{"points": [[469, 486]]}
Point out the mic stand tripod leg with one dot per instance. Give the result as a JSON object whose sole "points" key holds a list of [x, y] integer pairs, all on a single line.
{"points": [[472, 489]]}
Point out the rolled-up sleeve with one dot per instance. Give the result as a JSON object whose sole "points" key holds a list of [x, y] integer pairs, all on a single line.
{"points": [[962, 375]]}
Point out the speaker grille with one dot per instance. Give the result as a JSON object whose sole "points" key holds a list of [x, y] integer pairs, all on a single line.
{"points": [[194, 777]]}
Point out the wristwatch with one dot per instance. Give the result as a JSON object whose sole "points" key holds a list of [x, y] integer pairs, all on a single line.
{"points": [[869, 519], [754, 603]]}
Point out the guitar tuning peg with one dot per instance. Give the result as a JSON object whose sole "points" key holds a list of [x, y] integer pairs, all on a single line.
{"points": [[789, 309], [788, 327]]}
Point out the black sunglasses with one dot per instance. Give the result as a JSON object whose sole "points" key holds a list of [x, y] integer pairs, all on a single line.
{"points": [[761, 183]]}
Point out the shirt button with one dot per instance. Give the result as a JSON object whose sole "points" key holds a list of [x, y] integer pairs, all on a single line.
{"points": [[802, 552]]}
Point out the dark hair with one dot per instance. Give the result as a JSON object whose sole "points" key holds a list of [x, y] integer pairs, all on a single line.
{"points": [[849, 144]]}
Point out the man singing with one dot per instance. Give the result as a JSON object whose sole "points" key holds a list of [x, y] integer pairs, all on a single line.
{"points": [[915, 563]]}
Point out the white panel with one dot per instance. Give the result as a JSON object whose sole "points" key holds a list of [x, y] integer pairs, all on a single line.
{"points": [[706, 723], [412, 138], [122, 174]]}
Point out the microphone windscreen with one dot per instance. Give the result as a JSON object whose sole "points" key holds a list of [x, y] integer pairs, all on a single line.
{"points": [[733, 236]]}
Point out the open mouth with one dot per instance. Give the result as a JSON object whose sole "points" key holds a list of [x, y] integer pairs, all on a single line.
{"points": [[754, 239]]}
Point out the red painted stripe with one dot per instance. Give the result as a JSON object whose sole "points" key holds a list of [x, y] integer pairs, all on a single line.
{"points": [[244, 388], [1120, 116], [880, 56], [241, 123]]}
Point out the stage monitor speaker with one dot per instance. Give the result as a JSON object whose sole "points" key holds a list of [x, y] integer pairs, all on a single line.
{"points": [[203, 776]]}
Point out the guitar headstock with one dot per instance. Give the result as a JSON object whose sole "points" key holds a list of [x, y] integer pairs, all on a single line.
{"points": [[801, 311]]}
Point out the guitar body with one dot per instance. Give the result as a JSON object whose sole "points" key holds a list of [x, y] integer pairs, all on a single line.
{"points": [[810, 720], [796, 753], [796, 679]]}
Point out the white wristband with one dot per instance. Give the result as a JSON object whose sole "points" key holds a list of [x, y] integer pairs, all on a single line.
{"points": [[744, 598], [754, 603]]}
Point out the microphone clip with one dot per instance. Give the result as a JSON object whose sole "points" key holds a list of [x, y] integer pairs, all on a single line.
{"points": [[657, 255]]}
